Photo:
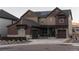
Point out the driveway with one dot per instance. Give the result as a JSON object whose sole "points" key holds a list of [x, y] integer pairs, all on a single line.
{"points": [[47, 41]]}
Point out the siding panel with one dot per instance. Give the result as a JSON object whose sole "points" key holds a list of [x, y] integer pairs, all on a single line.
{"points": [[3, 26]]}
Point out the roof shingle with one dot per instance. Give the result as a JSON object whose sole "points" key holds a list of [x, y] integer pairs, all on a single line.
{"points": [[4, 14], [45, 13]]}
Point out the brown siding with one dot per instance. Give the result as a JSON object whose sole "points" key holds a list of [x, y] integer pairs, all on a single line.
{"points": [[64, 23], [12, 30], [54, 13], [32, 18], [55, 16]]}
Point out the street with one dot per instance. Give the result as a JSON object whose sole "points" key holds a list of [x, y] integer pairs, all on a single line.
{"points": [[41, 47]]}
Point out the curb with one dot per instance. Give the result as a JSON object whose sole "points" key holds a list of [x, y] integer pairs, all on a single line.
{"points": [[62, 44]]}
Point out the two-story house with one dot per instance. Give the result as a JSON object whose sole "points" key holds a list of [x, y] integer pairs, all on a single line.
{"points": [[56, 23], [75, 27]]}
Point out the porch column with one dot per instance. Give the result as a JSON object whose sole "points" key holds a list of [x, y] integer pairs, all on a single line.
{"points": [[21, 32]]}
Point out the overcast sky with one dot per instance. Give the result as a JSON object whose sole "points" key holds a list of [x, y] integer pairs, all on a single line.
{"points": [[19, 11]]}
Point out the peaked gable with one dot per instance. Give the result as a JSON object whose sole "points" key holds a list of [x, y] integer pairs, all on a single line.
{"points": [[28, 13], [46, 13], [55, 11]]}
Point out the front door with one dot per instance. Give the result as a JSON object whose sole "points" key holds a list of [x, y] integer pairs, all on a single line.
{"points": [[51, 32]]}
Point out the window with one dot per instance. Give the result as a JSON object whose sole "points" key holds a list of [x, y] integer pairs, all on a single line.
{"points": [[73, 30], [50, 19], [61, 20], [61, 17], [43, 32], [77, 29], [41, 20]]}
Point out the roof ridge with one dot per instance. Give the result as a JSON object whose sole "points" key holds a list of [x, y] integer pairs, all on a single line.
{"points": [[43, 11]]}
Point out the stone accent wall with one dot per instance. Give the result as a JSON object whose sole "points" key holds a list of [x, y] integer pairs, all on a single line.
{"points": [[13, 31]]}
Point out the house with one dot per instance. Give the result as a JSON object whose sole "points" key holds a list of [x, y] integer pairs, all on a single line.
{"points": [[41, 24], [75, 27], [5, 20]]}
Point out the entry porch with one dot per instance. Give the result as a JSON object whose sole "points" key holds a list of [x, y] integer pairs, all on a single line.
{"points": [[48, 32]]}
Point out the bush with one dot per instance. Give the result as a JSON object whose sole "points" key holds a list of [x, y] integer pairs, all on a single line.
{"points": [[13, 38]]}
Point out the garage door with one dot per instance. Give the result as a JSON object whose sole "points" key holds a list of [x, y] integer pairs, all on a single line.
{"points": [[61, 34]]}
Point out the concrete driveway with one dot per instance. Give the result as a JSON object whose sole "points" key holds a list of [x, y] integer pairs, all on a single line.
{"points": [[47, 41]]}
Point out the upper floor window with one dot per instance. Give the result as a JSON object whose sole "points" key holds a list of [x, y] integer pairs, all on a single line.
{"points": [[61, 20], [41, 20], [73, 30], [77, 29]]}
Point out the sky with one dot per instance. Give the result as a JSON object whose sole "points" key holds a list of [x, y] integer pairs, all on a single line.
{"points": [[19, 11]]}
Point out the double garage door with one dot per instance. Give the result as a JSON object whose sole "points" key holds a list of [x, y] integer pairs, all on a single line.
{"points": [[61, 34]]}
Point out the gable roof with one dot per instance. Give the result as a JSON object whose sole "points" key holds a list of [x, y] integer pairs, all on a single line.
{"points": [[42, 13], [54, 10], [29, 23], [46, 13], [6, 15], [27, 13], [68, 12]]}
